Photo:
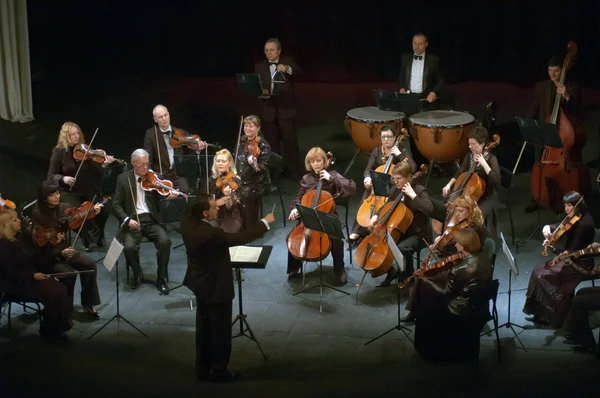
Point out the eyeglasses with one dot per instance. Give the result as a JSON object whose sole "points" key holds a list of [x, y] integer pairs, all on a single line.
{"points": [[387, 137], [142, 164]]}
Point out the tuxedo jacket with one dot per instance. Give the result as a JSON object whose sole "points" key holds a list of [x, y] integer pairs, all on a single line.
{"points": [[282, 105], [124, 205], [209, 272], [150, 141], [433, 81], [543, 100]]}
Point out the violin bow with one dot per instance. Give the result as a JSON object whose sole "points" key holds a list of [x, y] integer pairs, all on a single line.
{"points": [[206, 159], [437, 260], [83, 222], [81, 163], [237, 148], [133, 198]]}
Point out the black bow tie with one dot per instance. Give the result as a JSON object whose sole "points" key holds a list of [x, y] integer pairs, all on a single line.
{"points": [[167, 132], [418, 57], [139, 179], [273, 63]]}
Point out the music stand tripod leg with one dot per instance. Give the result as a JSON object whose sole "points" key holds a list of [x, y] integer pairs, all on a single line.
{"points": [[508, 323], [399, 326]]}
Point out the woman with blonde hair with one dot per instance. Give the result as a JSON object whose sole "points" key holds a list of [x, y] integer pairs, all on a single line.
{"points": [[224, 185]]}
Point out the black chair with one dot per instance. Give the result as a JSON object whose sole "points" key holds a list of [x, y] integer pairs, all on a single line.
{"points": [[7, 300], [345, 203], [275, 169], [489, 291], [506, 178]]}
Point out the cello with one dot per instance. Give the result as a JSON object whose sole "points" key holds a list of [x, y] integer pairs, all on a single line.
{"points": [[561, 169], [306, 244], [373, 203], [373, 254]]}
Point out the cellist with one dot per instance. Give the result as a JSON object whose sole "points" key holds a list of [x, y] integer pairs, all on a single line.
{"points": [[487, 168], [316, 163], [379, 157], [417, 200]]}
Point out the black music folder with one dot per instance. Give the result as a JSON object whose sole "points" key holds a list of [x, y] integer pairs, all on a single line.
{"points": [[393, 101], [382, 183], [320, 221], [250, 84]]}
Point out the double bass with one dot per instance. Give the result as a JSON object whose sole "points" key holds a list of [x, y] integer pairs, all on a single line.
{"points": [[561, 169]]}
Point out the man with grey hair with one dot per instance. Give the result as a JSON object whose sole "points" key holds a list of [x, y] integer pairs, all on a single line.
{"points": [[162, 153], [278, 105], [137, 212]]}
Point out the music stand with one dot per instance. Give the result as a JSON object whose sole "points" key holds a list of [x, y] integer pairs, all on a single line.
{"points": [[261, 263], [537, 133], [393, 101], [512, 270], [399, 258], [250, 84], [191, 166], [326, 223]]}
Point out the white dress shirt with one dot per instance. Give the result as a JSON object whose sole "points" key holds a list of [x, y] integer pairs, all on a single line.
{"points": [[416, 74], [170, 149], [140, 204]]}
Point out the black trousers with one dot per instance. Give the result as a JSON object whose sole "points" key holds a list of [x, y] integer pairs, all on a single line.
{"points": [[337, 252], [252, 194], [577, 323], [409, 246], [283, 131], [151, 229], [213, 336]]}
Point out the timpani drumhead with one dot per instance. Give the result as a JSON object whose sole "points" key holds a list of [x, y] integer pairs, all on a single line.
{"points": [[442, 118], [372, 114]]}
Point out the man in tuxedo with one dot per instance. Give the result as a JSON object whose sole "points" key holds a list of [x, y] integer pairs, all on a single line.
{"points": [[278, 111], [161, 153], [420, 71], [209, 276], [137, 212]]}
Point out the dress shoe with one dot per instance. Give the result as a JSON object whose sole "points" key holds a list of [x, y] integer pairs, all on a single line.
{"points": [[100, 242], [354, 242], [294, 274], [225, 376], [533, 206], [391, 275], [410, 317], [91, 311], [162, 286], [136, 282], [343, 278]]}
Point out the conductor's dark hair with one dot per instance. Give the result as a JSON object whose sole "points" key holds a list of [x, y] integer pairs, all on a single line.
{"points": [[198, 205], [480, 134], [555, 61], [573, 197]]}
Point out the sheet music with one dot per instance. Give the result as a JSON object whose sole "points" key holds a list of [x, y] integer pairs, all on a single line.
{"points": [[113, 253], [509, 257], [396, 252], [246, 254]]}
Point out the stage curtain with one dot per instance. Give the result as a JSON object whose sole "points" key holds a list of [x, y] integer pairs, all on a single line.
{"points": [[16, 103]]}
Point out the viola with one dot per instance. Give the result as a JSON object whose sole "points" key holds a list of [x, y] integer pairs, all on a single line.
{"points": [[228, 180], [76, 215], [151, 182], [558, 232], [44, 235], [432, 269], [592, 249], [6, 204], [179, 138], [82, 152], [446, 238], [306, 244], [373, 254], [373, 203]]}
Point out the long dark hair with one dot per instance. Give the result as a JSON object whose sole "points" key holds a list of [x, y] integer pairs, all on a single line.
{"points": [[46, 189]]}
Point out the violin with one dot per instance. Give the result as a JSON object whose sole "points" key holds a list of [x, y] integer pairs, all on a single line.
{"points": [[178, 139], [446, 238], [228, 180], [373, 254], [309, 245], [432, 269], [6, 204], [151, 182], [558, 232], [83, 152], [76, 215], [253, 150], [592, 249], [372, 204], [44, 235]]}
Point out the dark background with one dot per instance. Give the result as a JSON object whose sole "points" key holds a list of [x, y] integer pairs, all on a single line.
{"points": [[341, 41]]}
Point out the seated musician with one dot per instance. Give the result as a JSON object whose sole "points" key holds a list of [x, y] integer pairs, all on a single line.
{"points": [[229, 218], [452, 304], [379, 157], [417, 200], [552, 286], [316, 163], [252, 164], [57, 255], [137, 212], [487, 168], [19, 277], [62, 170], [466, 214], [161, 153]]}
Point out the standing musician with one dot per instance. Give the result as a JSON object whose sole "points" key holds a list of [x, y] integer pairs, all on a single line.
{"points": [[224, 184], [137, 212], [487, 168], [18, 276], [54, 251], [162, 154], [417, 200], [209, 276], [379, 157], [552, 285], [278, 111], [420, 71], [253, 154], [316, 163], [62, 170]]}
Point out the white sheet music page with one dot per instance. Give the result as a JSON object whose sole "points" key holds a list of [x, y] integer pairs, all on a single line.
{"points": [[247, 254], [512, 263], [113, 253]]}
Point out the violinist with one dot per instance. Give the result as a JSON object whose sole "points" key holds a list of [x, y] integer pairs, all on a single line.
{"points": [[62, 170], [252, 163], [137, 212], [417, 200], [223, 185], [486, 168], [56, 254], [316, 163], [162, 153], [379, 157], [552, 285], [19, 276]]}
